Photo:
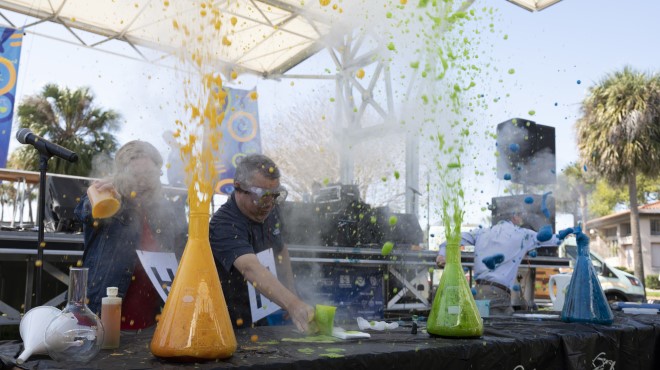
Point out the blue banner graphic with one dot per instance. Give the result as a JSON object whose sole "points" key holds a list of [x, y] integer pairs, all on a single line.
{"points": [[10, 54], [240, 135]]}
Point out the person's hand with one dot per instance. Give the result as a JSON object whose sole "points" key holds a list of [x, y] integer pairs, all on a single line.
{"points": [[104, 185], [544, 234], [564, 233], [440, 261], [301, 314]]}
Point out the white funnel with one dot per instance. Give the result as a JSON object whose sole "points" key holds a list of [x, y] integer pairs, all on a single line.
{"points": [[33, 329]]}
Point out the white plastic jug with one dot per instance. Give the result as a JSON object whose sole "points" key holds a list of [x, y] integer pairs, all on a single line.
{"points": [[560, 281], [32, 328]]}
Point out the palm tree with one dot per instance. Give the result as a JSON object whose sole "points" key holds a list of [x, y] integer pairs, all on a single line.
{"points": [[7, 196], [70, 119], [619, 136]]}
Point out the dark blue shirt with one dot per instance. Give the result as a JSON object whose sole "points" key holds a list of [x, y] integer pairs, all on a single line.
{"points": [[232, 234], [110, 244]]}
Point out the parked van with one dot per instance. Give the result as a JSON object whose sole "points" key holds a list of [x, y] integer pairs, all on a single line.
{"points": [[617, 285]]}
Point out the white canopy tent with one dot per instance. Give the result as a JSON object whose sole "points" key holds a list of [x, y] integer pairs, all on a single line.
{"points": [[270, 37]]}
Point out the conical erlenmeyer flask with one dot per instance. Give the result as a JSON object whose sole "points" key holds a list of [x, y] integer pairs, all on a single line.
{"points": [[454, 312], [195, 323], [585, 300]]}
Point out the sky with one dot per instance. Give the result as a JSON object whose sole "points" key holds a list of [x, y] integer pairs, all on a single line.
{"points": [[554, 55]]}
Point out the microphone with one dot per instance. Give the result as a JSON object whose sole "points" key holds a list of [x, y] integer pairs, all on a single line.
{"points": [[25, 136]]}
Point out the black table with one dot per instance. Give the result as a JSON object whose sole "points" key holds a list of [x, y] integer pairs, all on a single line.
{"points": [[632, 342]]}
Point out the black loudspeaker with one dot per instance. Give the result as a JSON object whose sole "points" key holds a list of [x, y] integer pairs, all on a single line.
{"points": [[406, 231], [62, 197], [355, 225], [526, 152]]}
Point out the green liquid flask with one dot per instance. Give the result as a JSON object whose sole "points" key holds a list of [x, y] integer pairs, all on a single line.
{"points": [[585, 299], [454, 312]]}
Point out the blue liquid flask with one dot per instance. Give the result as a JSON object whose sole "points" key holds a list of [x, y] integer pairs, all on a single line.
{"points": [[585, 300]]}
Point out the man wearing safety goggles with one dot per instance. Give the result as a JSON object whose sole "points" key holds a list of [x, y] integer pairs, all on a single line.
{"points": [[249, 224]]}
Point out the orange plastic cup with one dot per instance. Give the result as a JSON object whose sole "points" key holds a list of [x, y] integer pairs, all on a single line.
{"points": [[104, 203]]}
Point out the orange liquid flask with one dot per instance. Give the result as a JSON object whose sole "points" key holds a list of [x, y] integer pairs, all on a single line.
{"points": [[195, 323]]}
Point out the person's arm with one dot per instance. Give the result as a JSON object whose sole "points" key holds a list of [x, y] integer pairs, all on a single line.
{"points": [[467, 238], [267, 284]]}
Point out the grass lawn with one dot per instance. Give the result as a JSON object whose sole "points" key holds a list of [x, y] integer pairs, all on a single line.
{"points": [[652, 293]]}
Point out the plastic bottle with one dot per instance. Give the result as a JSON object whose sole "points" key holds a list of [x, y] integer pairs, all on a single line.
{"points": [[195, 323], [111, 318], [585, 299], [454, 312]]}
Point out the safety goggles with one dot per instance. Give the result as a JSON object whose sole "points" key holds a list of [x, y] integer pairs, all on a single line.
{"points": [[264, 197]]}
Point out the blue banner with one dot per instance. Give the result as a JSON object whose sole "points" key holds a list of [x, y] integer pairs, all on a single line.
{"points": [[10, 54], [240, 135]]}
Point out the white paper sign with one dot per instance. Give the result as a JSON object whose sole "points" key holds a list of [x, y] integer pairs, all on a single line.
{"points": [[160, 267], [260, 306]]}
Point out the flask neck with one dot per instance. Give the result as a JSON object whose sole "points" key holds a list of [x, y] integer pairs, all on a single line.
{"points": [[199, 225], [78, 285], [582, 245], [583, 250], [453, 253]]}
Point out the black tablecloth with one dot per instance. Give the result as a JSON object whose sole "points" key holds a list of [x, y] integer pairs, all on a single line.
{"points": [[632, 342]]}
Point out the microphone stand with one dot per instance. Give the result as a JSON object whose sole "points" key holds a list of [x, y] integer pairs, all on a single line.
{"points": [[41, 207]]}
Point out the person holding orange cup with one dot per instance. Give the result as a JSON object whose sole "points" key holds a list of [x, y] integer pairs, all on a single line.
{"points": [[104, 199], [124, 213]]}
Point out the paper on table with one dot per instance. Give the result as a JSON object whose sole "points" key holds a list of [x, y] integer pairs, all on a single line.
{"points": [[351, 334], [160, 267], [375, 325], [260, 306]]}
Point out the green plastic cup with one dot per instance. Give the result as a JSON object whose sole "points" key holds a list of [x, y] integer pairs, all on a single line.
{"points": [[325, 318]]}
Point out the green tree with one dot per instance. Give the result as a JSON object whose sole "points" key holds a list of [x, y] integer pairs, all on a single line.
{"points": [[619, 136], [606, 197], [68, 118], [7, 197]]}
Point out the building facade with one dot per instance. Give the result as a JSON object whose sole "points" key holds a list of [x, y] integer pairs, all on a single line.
{"points": [[611, 238]]}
